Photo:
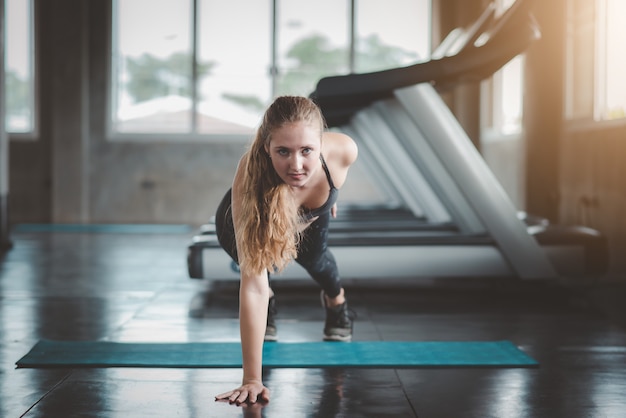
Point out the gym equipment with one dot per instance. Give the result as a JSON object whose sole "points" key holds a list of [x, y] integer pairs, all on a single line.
{"points": [[447, 215]]}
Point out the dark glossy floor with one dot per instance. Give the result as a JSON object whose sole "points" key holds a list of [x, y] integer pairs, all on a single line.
{"points": [[131, 287]]}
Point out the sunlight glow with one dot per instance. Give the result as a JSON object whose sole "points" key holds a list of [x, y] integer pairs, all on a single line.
{"points": [[615, 68]]}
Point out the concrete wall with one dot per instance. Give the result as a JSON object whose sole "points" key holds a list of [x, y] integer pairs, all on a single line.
{"points": [[593, 186], [5, 241]]}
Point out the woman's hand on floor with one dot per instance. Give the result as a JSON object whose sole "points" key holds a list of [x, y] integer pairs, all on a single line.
{"points": [[250, 392]]}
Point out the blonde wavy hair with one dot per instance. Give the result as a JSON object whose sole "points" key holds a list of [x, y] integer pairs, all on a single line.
{"points": [[268, 235]]}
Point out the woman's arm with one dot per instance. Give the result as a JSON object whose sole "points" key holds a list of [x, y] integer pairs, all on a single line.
{"points": [[343, 152], [253, 300], [340, 152]]}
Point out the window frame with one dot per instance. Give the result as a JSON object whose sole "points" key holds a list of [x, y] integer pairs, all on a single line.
{"points": [[34, 133], [195, 136], [157, 137], [594, 84], [492, 93]]}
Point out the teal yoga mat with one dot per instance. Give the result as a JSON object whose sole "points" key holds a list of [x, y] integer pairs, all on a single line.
{"points": [[380, 354]]}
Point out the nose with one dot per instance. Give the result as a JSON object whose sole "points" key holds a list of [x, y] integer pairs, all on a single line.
{"points": [[296, 162]]}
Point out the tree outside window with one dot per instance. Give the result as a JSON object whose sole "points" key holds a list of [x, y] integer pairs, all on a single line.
{"points": [[205, 67]]}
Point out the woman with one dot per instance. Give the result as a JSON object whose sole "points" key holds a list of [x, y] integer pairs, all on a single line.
{"points": [[278, 209]]}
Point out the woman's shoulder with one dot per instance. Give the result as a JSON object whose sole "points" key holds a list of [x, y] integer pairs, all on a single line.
{"points": [[339, 147], [336, 137], [240, 173]]}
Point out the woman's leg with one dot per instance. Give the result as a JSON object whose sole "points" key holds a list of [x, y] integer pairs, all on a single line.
{"points": [[319, 262], [316, 258]]}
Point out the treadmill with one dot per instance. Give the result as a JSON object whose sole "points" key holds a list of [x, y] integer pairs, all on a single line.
{"points": [[447, 216]]}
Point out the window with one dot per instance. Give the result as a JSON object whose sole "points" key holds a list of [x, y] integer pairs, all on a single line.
{"points": [[19, 67], [209, 68], [190, 68], [313, 42], [234, 47], [503, 95], [153, 67], [596, 60], [399, 36], [611, 60], [507, 97]]}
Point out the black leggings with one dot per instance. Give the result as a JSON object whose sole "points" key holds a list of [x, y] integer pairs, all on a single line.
{"points": [[313, 252]]}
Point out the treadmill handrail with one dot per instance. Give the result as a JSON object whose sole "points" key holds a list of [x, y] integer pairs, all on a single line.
{"points": [[341, 96]]}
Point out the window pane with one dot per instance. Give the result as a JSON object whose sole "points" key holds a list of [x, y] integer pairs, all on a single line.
{"points": [[512, 87], [395, 36], [234, 54], [580, 59], [615, 67], [19, 76], [505, 88], [152, 62], [313, 39], [505, 4]]}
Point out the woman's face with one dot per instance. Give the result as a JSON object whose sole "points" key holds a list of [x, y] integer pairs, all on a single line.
{"points": [[295, 152]]}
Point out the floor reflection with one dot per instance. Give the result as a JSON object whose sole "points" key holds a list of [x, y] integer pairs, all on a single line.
{"points": [[332, 394], [300, 393], [131, 287]]}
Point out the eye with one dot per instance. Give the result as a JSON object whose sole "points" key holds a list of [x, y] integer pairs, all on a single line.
{"points": [[282, 152], [307, 151]]}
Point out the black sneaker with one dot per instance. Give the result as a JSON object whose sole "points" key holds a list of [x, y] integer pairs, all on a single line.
{"points": [[270, 330], [338, 326]]}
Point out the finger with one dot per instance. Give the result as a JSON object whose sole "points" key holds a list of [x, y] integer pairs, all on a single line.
{"points": [[234, 395], [224, 395], [243, 396], [265, 394]]}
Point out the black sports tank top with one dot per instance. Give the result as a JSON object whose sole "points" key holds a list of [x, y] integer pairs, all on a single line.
{"points": [[333, 194]]}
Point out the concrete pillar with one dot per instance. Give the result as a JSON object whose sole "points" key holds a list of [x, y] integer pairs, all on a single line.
{"points": [[543, 109], [5, 241], [463, 99], [69, 78], [466, 102]]}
